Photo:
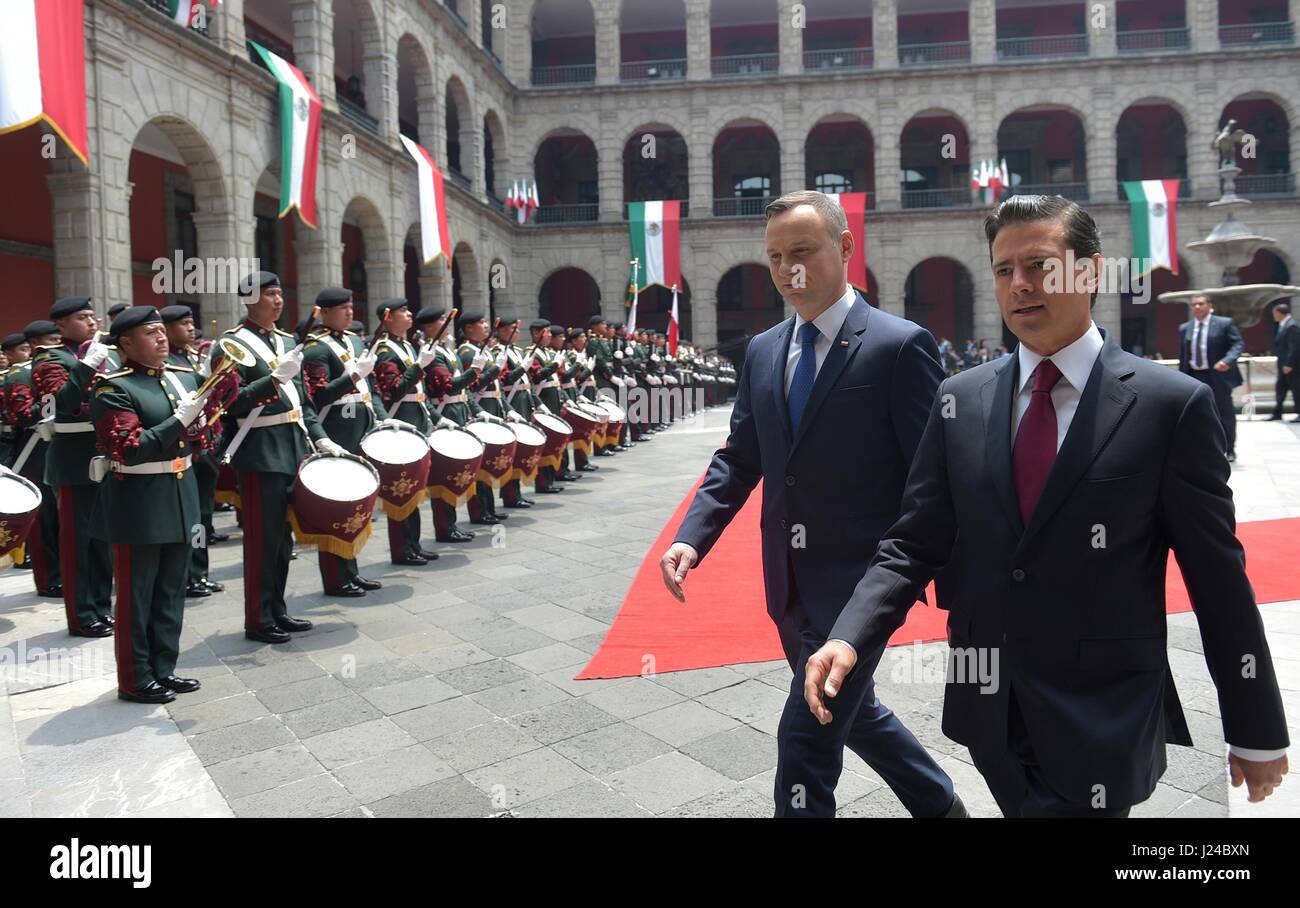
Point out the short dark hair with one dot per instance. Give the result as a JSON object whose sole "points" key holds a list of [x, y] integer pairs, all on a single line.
{"points": [[1284, 308], [1081, 234]]}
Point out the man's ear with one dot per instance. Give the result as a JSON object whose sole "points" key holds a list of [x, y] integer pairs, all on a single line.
{"points": [[846, 245]]}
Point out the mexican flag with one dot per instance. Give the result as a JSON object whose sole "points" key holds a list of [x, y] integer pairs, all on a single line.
{"points": [[855, 209], [43, 69], [300, 111], [656, 242], [435, 239], [674, 327], [1153, 205], [184, 11]]}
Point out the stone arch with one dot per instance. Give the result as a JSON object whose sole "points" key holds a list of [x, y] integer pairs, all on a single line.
{"points": [[459, 119], [496, 166], [417, 96]]}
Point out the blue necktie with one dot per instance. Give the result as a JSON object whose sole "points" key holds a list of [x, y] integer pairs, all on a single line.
{"points": [[805, 373]]}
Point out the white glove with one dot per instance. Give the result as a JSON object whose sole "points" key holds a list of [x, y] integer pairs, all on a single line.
{"points": [[397, 423], [427, 356], [629, 351], [512, 416], [545, 409], [290, 365], [479, 361], [189, 410], [330, 447], [96, 353], [363, 367], [618, 354], [501, 360], [445, 423]]}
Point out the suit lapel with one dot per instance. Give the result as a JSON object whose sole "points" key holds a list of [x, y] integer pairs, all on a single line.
{"points": [[1105, 400], [780, 350], [838, 357], [996, 396]]}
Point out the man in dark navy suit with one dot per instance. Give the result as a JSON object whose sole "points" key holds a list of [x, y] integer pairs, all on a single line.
{"points": [[1208, 347], [829, 409], [1051, 485]]}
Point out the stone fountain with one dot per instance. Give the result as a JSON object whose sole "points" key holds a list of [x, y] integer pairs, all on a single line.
{"points": [[1231, 245]]}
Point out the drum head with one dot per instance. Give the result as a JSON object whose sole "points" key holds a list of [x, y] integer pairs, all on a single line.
{"points": [[395, 445], [613, 410], [456, 444], [552, 422], [491, 433], [529, 435], [339, 478], [18, 495]]}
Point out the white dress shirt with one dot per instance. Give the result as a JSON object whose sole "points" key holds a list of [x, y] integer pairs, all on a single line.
{"points": [[829, 324]]}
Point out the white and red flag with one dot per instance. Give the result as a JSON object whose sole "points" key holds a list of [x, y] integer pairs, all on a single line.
{"points": [[43, 69]]}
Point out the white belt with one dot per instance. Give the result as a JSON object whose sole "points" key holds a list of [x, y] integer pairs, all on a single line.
{"points": [[479, 395], [415, 397], [277, 419], [179, 465], [550, 383], [457, 399], [64, 428]]}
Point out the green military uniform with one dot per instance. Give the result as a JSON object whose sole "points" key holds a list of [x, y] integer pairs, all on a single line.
{"points": [[540, 368], [517, 402], [187, 364], [447, 397], [148, 510], [347, 410], [24, 408], [486, 393], [266, 463], [64, 383]]}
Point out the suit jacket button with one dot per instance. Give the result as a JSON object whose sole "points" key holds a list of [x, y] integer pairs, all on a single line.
{"points": [[789, 480], [1018, 575]]}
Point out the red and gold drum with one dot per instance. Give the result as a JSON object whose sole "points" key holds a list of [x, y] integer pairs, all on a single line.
{"points": [[332, 501], [617, 417], [402, 456], [529, 442], [557, 438], [498, 452], [20, 499], [456, 456], [588, 425]]}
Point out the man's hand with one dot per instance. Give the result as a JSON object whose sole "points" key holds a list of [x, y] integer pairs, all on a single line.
{"points": [[513, 416], [288, 366], [427, 356], [1260, 778], [825, 674], [1286, 370], [1220, 366], [679, 559], [445, 423], [364, 365], [96, 353]]}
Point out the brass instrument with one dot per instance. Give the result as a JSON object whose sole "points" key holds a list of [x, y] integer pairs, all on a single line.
{"points": [[233, 355]]}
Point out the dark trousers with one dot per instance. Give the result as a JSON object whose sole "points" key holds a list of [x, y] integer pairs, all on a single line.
{"points": [[1017, 782], [335, 571], [810, 756], [1287, 384], [404, 537], [150, 606], [43, 540], [1223, 403], [481, 504], [205, 473], [444, 519], [264, 504], [86, 563]]}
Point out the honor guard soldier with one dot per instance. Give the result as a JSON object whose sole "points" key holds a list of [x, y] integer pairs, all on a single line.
{"points": [[474, 357], [516, 393], [271, 425], [30, 446], [446, 387], [399, 381], [541, 367], [178, 322], [14, 351], [565, 389], [579, 380], [63, 384], [141, 414], [336, 371]]}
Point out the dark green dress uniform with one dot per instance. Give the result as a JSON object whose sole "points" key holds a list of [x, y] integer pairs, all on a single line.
{"points": [[486, 392], [399, 381], [24, 406], [148, 510], [347, 410], [207, 467], [446, 387], [516, 398], [65, 382], [266, 463], [542, 381]]}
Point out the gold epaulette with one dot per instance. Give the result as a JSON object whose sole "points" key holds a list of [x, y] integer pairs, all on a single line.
{"points": [[283, 333], [105, 376], [177, 368]]}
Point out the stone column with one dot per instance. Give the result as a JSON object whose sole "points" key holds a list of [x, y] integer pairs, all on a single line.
{"points": [[1203, 23], [789, 39], [983, 137], [313, 46], [217, 238], [226, 26], [78, 252], [699, 149], [793, 153], [887, 132], [885, 258], [884, 34], [988, 317], [704, 316], [1102, 162], [381, 91], [1106, 313], [609, 167], [518, 45], [698, 41], [1101, 40], [1202, 156], [983, 31], [608, 57]]}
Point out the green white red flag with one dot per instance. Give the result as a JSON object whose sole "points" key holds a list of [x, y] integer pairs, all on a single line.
{"points": [[300, 118]]}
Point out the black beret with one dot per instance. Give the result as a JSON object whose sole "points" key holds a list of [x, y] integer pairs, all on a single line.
{"points": [[356, 327], [117, 309], [134, 317], [575, 333], [470, 318], [258, 280], [595, 320], [557, 329], [333, 296], [617, 325], [175, 313], [69, 305], [40, 327], [428, 315], [13, 340], [388, 306], [538, 324]]}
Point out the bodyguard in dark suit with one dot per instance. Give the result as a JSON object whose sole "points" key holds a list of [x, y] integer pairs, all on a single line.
{"points": [[829, 410], [1208, 348], [1054, 482], [1286, 347]]}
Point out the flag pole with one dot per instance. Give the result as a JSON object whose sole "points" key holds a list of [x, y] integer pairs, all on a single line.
{"points": [[636, 292]]}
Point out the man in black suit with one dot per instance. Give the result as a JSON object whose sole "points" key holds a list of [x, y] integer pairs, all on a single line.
{"points": [[1208, 347], [1286, 347], [1053, 483], [830, 406]]}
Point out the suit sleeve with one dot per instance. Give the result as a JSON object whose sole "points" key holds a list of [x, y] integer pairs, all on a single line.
{"points": [[1196, 512], [911, 552], [1183, 364], [1235, 344], [734, 471], [917, 375]]}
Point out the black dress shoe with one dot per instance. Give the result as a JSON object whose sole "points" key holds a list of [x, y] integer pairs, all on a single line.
{"points": [[180, 685], [604, 452], [346, 591], [293, 554], [94, 629], [292, 625], [368, 584], [551, 490], [223, 506], [456, 536], [527, 502], [1277, 417], [410, 561], [1232, 457], [50, 592], [197, 589], [588, 468], [428, 555], [521, 503], [957, 810], [486, 520], [214, 586], [267, 635], [570, 476], [109, 620], [620, 448], [153, 692]]}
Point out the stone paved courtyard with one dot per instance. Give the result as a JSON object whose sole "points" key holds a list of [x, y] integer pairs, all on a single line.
{"points": [[450, 692]]}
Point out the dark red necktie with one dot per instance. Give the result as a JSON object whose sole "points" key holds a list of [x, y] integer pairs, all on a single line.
{"points": [[1035, 447]]}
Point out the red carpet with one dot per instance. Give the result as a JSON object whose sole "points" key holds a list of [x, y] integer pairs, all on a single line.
{"points": [[724, 621]]}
